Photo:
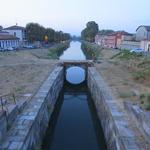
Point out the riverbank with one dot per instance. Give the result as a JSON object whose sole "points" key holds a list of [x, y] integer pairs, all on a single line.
{"points": [[126, 74], [91, 50], [53, 52], [23, 71]]}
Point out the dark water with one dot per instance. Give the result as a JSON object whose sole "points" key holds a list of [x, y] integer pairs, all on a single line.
{"points": [[74, 124]]}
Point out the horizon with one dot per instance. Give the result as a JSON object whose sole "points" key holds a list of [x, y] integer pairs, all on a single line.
{"points": [[71, 17]]}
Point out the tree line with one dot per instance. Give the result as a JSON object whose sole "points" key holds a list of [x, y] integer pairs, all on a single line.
{"points": [[89, 33], [36, 32], [92, 28]]}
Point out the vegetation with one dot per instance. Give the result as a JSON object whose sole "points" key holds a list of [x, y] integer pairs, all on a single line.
{"points": [[57, 50], [89, 33], [91, 51], [145, 100], [105, 32], [126, 54], [136, 62], [36, 32]]}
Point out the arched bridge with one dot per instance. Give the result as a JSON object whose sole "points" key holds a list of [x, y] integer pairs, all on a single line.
{"points": [[84, 64]]}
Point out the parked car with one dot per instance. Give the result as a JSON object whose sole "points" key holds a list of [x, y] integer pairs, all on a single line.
{"points": [[28, 46], [1, 49], [10, 48], [137, 50]]}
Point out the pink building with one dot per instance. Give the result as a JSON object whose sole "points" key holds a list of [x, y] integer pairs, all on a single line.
{"points": [[112, 40]]}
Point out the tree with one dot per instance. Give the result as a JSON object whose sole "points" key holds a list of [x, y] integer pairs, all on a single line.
{"points": [[50, 34], [105, 32], [89, 33], [35, 32]]}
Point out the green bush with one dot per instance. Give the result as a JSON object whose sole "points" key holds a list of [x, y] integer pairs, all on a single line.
{"points": [[126, 54], [57, 50], [91, 50]]}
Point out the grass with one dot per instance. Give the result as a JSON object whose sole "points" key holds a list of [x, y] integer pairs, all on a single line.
{"points": [[145, 100], [126, 94], [136, 62], [91, 50], [57, 50], [126, 54], [142, 75]]}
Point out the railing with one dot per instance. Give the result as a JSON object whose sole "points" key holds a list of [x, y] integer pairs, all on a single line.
{"points": [[7, 99]]}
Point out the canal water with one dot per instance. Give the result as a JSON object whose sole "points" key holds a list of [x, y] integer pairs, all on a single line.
{"points": [[74, 124]]}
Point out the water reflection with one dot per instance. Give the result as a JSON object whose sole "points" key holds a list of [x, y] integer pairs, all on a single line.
{"points": [[73, 127], [75, 75], [74, 52]]}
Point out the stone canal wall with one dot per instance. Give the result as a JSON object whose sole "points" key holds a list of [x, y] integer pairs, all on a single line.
{"points": [[30, 126], [115, 127]]}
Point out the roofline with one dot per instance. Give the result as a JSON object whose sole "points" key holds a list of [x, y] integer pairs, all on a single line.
{"points": [[141, 26], [9, 28]]}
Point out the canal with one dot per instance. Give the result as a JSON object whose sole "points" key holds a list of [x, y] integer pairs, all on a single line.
{"points": [[74, 124]]}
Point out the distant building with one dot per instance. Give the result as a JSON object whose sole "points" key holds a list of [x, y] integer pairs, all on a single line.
{"points": [[7, 41], [1, 28], [113, 40], [145, 44], [16, 31], [143, 33], [4, 33]]}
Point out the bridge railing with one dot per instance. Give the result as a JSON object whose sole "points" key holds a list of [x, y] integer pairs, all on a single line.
{"points": [[6, 100]]}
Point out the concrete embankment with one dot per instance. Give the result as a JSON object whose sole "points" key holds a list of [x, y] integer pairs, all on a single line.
{"points": [[30, 125], [115, 127]]}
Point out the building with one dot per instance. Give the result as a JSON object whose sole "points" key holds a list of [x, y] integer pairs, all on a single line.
{"points": [[143, 33], [145, 45], [110, 41], [113, 40], [100, 39], [130, 45], [7, 41], [3, 33], [16, 31]]}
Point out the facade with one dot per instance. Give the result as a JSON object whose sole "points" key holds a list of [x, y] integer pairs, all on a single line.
{"points": [[16, 31], [100, 39], [7, 41], [143, 33], [113, 40], [145, 45], [130, 45], [4, 33], [110, 41]]}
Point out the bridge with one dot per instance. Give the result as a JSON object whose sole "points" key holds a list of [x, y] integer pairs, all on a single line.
{"points": [[84, 64]]}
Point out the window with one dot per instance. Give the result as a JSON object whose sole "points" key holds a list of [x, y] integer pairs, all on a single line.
{"points": [[14, 33]]}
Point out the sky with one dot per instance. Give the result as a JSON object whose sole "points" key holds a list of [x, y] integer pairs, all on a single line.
{"points": [[71, 16]]}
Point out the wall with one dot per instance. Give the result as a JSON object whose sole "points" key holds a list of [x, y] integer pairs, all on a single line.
{"points": [[140, 117], [116, 129], [19, 33], [6, 119], [9, 43], [141, 34], [30, 126], [145, 45], [129, 45]]}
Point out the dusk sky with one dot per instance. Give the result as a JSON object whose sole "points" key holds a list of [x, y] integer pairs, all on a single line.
{"points": [[72, 16]]}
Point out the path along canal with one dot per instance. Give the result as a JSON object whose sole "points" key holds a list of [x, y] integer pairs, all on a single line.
{"points": [[74, 124]]}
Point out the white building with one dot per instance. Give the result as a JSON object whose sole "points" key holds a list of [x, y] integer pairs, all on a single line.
{"points": [[7, 41], [16, 31], [143, 33]]}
